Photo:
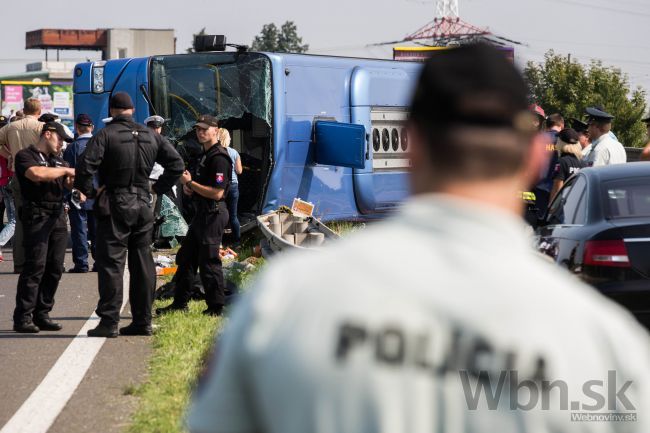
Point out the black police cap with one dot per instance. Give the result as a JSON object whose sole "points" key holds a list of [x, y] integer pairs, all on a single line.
{"points": [[59, 129], [470, 85], [578, 125], [3, 121], [598, 113], [121, 100], [84, 120]]}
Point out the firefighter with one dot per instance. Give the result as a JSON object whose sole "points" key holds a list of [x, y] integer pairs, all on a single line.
{"points": [[123, 155]]}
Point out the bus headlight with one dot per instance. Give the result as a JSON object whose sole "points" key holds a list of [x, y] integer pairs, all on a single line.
{"points": [[98, 77]]}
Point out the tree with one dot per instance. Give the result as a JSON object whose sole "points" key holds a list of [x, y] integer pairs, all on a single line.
{"points": [[562, 86], [267, 40], [200, 33], [285, 40]]}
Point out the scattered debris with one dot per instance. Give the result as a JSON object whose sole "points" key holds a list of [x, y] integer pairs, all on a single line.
{"points": [[165, 265], [285, 230], [173, 222]]}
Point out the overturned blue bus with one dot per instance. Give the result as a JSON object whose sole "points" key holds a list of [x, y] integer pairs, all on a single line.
{"points": [[329, 130]]}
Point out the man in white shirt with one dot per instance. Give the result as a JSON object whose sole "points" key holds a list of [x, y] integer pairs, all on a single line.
{"points": [[605, 148], [441, 318]]}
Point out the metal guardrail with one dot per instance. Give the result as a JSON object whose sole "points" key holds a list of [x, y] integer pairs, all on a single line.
{"points": [[633, 153]]}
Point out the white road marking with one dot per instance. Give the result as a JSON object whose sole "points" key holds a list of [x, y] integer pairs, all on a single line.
{"points": [[43, 406]]}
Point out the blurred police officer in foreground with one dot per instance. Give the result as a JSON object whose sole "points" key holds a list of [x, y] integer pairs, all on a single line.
{"points": [[605, 148], [42, 176], [200, 247], [82, 219], [360, 339], [123, 154]]}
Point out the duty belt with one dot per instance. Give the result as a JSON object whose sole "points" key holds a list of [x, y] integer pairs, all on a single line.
{"points": [[131, 189], [44, 207], [211, 206]]}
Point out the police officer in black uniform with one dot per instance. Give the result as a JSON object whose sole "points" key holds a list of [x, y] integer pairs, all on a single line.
{"points": [[200, 247], [123, 155], [42, 176]]}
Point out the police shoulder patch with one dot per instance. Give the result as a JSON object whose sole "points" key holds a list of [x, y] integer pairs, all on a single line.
{"points": [[219, 178]]}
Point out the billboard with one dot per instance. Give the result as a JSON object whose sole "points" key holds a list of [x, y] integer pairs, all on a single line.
{"points": [[55, 96]]}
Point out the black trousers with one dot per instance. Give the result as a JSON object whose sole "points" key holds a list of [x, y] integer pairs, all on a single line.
{"points": [[200, 249], [128, 226], [542, 198], [45, 241]]}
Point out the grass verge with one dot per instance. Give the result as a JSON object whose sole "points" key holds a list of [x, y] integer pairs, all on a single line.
{"points": [[180, 345]]}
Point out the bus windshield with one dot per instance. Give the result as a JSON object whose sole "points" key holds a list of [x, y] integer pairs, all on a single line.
{"points": [[231, 86]]}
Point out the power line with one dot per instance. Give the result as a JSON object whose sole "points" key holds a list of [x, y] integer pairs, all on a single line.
{"points": [[605, 8], [590, 44]]}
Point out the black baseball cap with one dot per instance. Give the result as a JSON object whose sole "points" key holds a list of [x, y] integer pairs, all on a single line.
{"points": [[473, 85], [206, 121], [569, 136], [121, 100], [84, 120], [59, 129], [3, 120]]}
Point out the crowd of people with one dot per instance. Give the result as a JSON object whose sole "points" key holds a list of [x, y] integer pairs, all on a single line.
{"points": [[109, 185], [357, 338], [569, 149]]}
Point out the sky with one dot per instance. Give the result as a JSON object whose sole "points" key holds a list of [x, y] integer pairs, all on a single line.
{"points": [[616, 32]]}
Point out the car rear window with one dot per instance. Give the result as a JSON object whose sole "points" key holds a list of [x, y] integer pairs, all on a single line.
{"points": [[627, 199]]}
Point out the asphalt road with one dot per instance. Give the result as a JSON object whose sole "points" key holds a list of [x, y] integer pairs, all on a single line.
{"points": [[100, 402]]}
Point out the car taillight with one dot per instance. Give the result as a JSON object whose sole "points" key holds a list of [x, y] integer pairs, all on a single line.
{"points": [[606, 253]]}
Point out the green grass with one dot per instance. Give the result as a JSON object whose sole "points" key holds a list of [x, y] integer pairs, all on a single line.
{"points": [[343, 228], [180, 344]]}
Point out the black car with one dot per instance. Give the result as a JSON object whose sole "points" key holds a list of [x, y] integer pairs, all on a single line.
{"points": [[598, 227]]}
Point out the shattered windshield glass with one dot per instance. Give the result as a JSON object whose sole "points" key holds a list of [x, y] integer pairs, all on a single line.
{"points": [[227, 85]]}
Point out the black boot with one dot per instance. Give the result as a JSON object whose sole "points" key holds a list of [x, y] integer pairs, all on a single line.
{"points": [[171, 308], [213, 311], [26, 328], [46, 324], [134, 329], [103, 330]]}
